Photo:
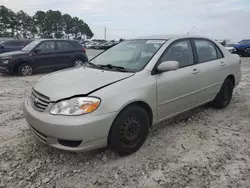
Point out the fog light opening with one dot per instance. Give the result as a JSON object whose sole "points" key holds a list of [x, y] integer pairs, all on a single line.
{"points": [[68, 143]]}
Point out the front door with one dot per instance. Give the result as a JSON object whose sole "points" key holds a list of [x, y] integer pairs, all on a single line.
{"points": [[178, 90], [45, 57]]}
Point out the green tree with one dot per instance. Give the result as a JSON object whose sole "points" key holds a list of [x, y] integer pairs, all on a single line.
{"points": [[49, 24], [88, 31], [67, 24], [39, 21], [54, 24], [24, 24], [75, 27], [7, 22]]}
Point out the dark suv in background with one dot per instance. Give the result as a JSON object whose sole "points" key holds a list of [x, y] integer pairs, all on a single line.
{"points": [[13, 45], [44, 54]]}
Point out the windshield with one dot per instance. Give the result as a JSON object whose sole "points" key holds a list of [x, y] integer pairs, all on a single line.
{"points": [[130, 54], [30, 46], [245, 42], [230, 45]]}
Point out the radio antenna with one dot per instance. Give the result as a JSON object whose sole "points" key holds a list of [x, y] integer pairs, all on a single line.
{"points": [[190, 30]]}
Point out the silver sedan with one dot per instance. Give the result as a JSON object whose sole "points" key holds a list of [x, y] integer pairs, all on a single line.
{"points": [[117, 96]]}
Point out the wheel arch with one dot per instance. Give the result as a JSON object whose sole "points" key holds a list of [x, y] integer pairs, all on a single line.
{"points": [[84, 58], [139, 103], [19, 63], [232, 78]]}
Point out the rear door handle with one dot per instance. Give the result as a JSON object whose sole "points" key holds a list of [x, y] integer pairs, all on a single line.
{"points": [[195, 71], [222, 64]]}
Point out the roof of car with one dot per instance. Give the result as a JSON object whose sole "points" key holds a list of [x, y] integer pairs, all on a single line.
{"points": [[54, 40], [167, 37], [8, 40]]}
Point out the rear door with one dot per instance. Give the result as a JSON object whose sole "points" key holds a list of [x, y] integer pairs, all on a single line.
{"points": [[65, 52], [212, 67], [45, 58]]}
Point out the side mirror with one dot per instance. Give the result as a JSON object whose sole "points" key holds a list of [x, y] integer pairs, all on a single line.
{"points": [[168, 66], [37, 50], [1, 46]]}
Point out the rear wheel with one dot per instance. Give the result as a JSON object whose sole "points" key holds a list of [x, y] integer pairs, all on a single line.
{"points": [[129, 130], [224, 97], [25, 70]]}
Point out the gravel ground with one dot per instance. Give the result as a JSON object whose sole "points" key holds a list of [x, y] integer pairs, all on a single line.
{"points": [[201, 148]]}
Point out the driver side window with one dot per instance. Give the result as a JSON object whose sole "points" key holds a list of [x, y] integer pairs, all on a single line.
{"points": [[46, 47], [181, 52]]}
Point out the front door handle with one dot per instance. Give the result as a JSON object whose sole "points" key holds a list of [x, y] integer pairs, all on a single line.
{"points": [[195, 71]]}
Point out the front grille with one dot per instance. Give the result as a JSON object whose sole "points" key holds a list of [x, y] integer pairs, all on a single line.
{"points": [[240, 51], [39, 101]]}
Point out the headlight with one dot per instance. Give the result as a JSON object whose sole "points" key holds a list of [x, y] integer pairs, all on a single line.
{"points": [[248, 49], [5, 61], [76, 106]]}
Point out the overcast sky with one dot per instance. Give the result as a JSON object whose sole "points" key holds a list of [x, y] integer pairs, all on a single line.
{"points": [[132, 18]]}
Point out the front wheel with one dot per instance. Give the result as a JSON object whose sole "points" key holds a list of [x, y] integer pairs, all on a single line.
{"points": [[129, 130], [223, 98], [25, 70]]}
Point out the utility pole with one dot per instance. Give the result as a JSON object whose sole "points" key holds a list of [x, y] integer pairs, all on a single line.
{"points": [[105, 33]]}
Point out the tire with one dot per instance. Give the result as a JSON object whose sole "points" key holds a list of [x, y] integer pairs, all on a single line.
{"points": [[223, 98], [129, 130], [78, 62], [25, 70]]}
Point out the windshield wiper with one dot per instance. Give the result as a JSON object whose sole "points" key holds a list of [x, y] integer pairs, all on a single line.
{"points": [[109, 66], [93, 65], [118, 68]]}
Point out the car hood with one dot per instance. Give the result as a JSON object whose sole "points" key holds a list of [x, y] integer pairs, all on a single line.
{"points": [[242, 46], [77, 81], [14, 53]]}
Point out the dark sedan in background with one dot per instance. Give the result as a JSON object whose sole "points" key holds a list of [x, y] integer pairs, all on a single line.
{"points": [[44, 54], [13, 45]]}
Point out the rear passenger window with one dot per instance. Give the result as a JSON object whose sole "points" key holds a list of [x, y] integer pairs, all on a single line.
{"points": [[64, 45], [181, 52], [206, 50]]}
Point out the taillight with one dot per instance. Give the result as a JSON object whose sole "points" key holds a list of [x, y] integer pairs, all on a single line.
{"points": [[84, 50]]}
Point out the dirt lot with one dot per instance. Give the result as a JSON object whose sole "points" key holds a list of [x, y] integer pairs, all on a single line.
{"points": [[202, 148]]}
